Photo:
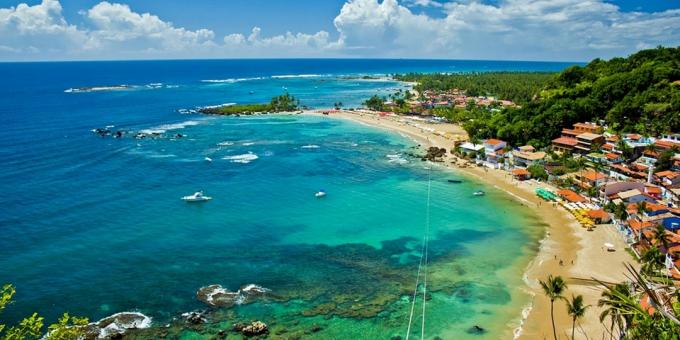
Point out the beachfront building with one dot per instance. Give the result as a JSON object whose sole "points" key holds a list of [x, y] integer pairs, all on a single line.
{"points": [[521, 174], [470, 149], [564, 144], [494, 151], [525, 156]]}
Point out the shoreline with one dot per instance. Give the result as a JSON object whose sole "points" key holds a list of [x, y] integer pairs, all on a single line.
{"points": [[564, 239]]}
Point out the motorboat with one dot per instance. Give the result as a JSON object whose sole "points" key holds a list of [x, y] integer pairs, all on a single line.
{"points": [[196, 197], [320, 194], [208, 159], [479, 193]]}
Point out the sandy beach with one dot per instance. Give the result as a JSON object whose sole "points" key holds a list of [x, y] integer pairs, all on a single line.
{"points": [[582, 253]]}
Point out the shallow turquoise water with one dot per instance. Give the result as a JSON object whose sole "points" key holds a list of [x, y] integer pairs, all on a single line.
{"points": [[95, 225]]}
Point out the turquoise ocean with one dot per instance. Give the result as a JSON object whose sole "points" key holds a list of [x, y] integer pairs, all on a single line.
{"points": [[94, 225]]}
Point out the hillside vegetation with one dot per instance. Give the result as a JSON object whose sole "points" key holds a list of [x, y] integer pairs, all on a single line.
{"points": [[640, 93], [520, 87]]}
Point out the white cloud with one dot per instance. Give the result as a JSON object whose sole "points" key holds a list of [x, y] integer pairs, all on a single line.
{"points": [[509, 29], [115, 23], [513, 29]]}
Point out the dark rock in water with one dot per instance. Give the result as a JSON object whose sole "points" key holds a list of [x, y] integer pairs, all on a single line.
{"points": [[218, 296], [253, 329], [195, 318], [434, 154], [315, 328], [396, 337], [116, 325], [476, 330]]}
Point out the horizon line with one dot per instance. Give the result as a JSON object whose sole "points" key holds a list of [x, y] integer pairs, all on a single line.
{"points": [[283, 58]]}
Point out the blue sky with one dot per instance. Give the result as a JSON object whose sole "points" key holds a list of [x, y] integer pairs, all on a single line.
{"points": [[573, 30]]}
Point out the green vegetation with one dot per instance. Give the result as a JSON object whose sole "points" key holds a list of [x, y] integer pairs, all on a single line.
{"points": [[553, 288], [537, 171], [520, 87], [635, 94], [375, 103], [282, 103], [31, 327]]}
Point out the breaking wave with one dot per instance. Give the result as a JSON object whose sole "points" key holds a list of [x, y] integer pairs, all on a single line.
{"points": [[243, 159]]}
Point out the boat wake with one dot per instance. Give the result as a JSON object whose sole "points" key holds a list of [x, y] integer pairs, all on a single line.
{"points": [[243, 159]]}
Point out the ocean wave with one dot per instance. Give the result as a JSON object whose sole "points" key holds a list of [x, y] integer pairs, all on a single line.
{"points": [[168, 127], [243, 158], [149, 86], [97, 88], [396, 158], [310, 146], [287, 76], [218, 296], [116, 325], [217, 106], [517, 332], [230, 80], [225, 143]]}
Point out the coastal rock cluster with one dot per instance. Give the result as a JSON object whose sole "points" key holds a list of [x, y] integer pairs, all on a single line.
{"points": [[255, 328], [218, 296], [108, 132], [116, 325], [434, 154]]}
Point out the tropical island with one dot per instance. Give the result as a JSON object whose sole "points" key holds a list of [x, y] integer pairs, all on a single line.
{"points": [[282, 103]]}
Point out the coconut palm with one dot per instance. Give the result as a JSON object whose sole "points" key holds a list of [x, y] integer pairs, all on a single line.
{"points": [[576, 309], [616, 299], [553, 288], [652, 260]]}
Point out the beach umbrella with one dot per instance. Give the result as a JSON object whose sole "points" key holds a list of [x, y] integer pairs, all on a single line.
{"points": [[609, 245]]}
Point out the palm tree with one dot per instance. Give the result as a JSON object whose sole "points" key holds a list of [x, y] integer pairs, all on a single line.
{"points": [[661, 236], [553, 289], [576, 309], [652, 260], [617, 300]]}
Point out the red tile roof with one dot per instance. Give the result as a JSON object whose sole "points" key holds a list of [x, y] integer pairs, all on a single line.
{"points": [[571, 196], [593, 175], [565, 141], [493, 141]]}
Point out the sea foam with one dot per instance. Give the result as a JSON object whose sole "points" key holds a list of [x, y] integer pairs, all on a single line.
{"points": [[243, 159], [167, 127]]}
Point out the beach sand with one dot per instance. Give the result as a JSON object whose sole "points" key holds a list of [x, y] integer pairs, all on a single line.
{"points": [[581, 252]]}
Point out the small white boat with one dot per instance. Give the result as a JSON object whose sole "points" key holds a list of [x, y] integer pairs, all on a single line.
{"points": [[208, 159], [196, 197], [320, 194], [478, 193]]}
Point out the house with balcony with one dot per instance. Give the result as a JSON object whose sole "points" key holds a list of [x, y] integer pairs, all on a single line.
{"points": [[525, 156], [494, 150], [564, 144], [586, 142]]}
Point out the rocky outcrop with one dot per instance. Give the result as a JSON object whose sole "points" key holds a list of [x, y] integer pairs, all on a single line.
{"points": [[116, 325], [218, 296], [434, 154], [256, 328]]}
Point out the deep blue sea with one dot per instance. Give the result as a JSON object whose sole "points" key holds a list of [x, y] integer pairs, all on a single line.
{"points": [[95, 225]]}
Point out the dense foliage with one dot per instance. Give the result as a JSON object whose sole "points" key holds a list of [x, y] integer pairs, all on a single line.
{"points": [[282, 103], [520, 87], [32, 327]]}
